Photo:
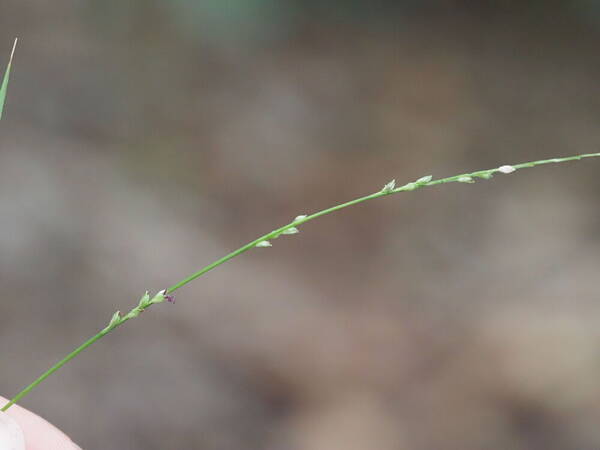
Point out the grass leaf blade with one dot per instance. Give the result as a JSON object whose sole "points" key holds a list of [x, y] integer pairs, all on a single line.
{"points": [[4, 86]]}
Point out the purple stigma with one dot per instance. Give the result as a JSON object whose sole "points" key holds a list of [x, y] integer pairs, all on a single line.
{"points": [[170, 298]]}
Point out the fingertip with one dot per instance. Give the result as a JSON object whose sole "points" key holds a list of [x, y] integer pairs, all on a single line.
{"points": [[11, 434], [39, 433]]}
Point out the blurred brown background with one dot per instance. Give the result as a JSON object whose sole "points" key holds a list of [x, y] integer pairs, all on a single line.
{"points": [[144, 139]]}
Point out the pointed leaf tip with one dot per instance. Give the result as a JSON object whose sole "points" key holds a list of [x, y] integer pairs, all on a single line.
{"points": [[12, 52], [4, 86]]}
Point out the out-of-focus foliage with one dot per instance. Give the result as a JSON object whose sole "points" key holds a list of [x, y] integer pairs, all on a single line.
{"points": [[261, 20]]}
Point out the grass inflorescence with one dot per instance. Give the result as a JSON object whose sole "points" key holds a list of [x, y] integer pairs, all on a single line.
{"points": [[264, 241]]}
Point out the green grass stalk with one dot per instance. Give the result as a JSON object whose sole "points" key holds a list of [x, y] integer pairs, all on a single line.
{"points": [[264, 241]]}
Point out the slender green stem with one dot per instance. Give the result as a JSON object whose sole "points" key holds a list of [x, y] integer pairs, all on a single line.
{"points": [[54, 368], [388, 189], [273, 234], [116, 321]]}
